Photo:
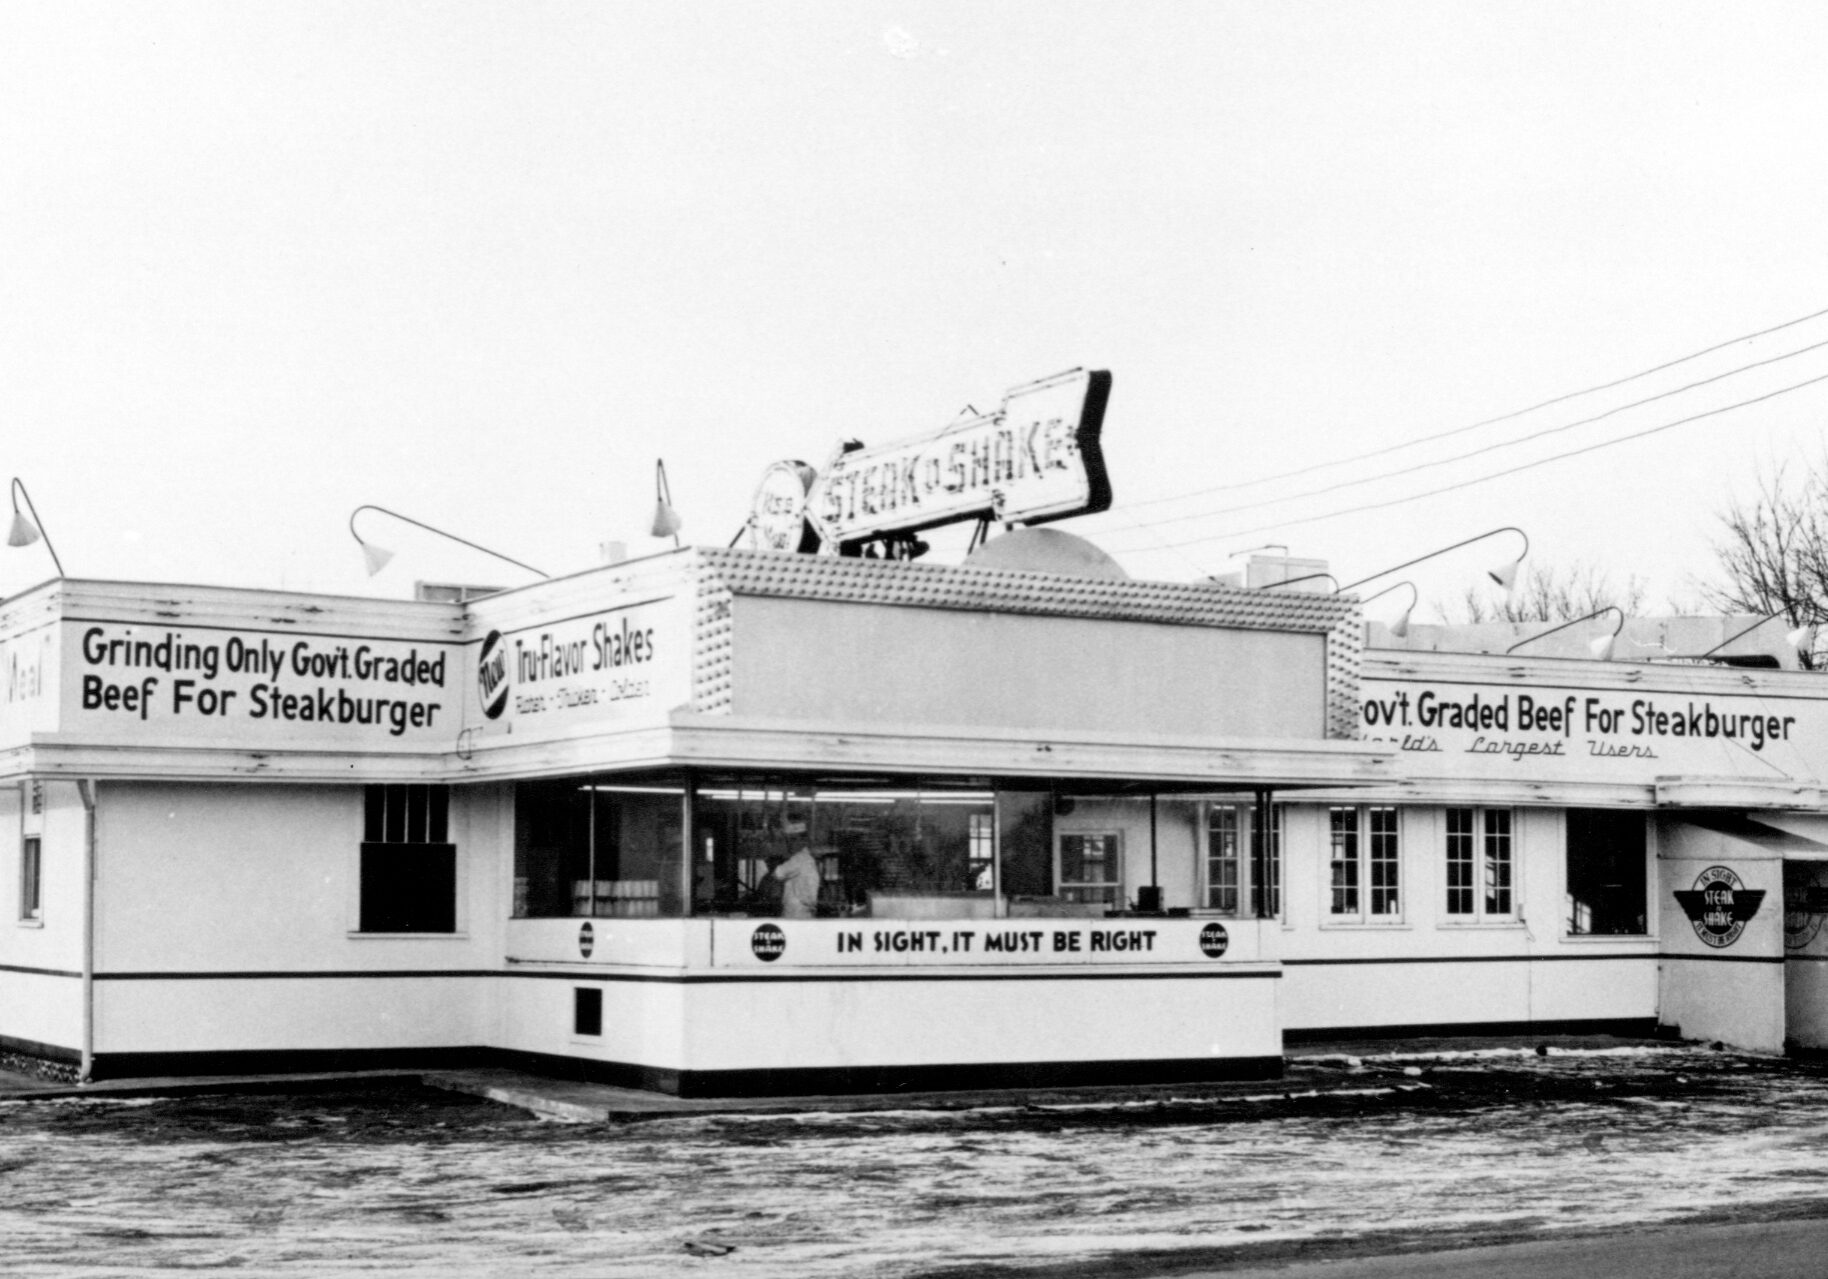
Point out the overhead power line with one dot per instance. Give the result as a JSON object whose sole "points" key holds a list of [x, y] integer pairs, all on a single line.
{"points": [[1495, 475], [1490, 421], [1488, 448]]}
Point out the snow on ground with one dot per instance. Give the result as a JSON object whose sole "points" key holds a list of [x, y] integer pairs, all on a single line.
{"points": [[416, 1182]]}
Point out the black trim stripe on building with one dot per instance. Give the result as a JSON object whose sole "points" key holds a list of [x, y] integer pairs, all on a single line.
{"points": [[33, 1048], [1618, 1027], [786, 1082], [38, 972], [1189, 973], [1476, 959]]}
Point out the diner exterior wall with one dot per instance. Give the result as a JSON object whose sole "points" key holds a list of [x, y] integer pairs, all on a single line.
{"points": [[41, 961], [871, 664], [1733, 993], [1427, 971], [227, 921], [694, 1006]]}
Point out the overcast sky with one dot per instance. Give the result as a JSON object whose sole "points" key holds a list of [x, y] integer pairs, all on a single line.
{"points": [[483, 263]]}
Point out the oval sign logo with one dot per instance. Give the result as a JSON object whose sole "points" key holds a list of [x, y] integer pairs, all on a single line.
{"points": [[1214, 940], [777, 516], [1719, 905], [587, 939], [492, 676], [768, 942]]}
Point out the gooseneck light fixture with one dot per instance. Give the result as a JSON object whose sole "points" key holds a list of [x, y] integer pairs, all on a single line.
{"points": [[29, 529], [1400, 627], [1800, 638], [1503, 573], [1601, 648], [666, 520], [377, 556]]}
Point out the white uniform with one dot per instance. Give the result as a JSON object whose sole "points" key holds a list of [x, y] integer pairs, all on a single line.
{"points": [[799, 876]]}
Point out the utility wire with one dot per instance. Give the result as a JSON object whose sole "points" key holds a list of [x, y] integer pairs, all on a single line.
{"points": [[1489, 448], [1513, 470], [1490, 421]]}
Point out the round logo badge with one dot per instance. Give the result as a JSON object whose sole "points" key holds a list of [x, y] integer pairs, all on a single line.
{"points": [[768, 942], [492, 676], [1719, 905], [1805, 907], [587, 939], [1802, 920], [1214, 940], [777, 516]]}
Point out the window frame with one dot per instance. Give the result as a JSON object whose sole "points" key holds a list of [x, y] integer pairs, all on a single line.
{"points": [[1480, 865], [1243, 816], [1647, 879], [1367, 866], [1066, 888], [31, 878], [422, 836]]}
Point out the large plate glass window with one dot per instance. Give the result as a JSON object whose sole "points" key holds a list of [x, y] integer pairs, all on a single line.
{"points": [[1365, 865], [1480, 866], [597, 846]]}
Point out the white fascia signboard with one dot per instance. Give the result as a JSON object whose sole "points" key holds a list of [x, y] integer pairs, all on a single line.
{"points": [[1643, 724], [177, 685], [1036, 459], [567, 673], [28, 682]]}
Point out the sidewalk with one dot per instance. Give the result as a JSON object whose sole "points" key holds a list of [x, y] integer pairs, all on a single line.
{"points": [[1312, 1070]]}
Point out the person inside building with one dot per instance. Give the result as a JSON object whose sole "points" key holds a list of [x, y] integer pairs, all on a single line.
{"points": [[799, 876]]}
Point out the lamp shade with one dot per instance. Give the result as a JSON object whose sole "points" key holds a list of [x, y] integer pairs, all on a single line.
{"points": [[666, 520], [1400, 627], [1601, 648], [23, 531], [376, 557], [1505, 574]]}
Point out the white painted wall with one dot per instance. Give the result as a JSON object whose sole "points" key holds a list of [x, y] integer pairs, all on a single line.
{"points": [[251, 879], [1734, 994], [1429, 968], [781, 1024], [35, 1006], [878, 665]]}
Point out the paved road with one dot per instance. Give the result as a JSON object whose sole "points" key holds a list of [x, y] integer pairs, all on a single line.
{"points": [[1344, 1157], [1760, 1250]]}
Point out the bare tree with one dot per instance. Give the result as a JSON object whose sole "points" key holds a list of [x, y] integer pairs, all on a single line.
{"points": [[1773, 551], [1549, 594]]}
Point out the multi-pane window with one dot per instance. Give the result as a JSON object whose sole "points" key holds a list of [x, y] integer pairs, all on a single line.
{"points": [[31, 878], [980, 852], [1222, 872], [1229, 861], [1365, 865], [409, 865], [1480, 868], [1091, 868]]}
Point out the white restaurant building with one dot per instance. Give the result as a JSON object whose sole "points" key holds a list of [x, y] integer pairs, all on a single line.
{"points": [[1071, 828]]}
